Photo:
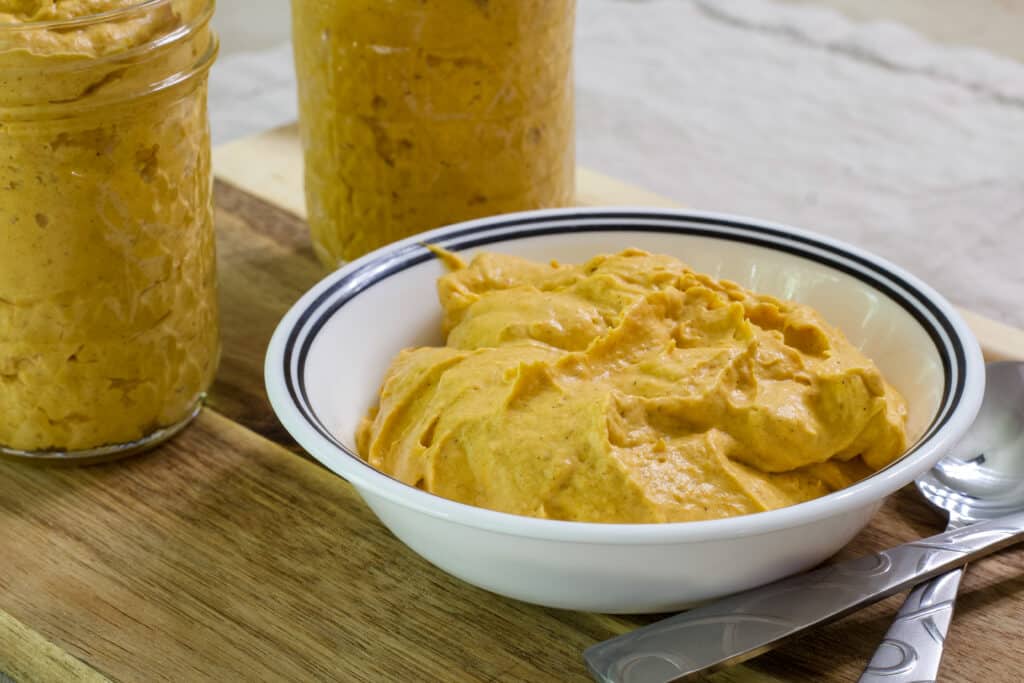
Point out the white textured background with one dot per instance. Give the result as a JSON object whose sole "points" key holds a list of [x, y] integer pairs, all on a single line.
{"points": [[867, 132]]}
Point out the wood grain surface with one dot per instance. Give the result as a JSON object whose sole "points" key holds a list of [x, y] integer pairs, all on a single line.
{"points": [[226, 556]]}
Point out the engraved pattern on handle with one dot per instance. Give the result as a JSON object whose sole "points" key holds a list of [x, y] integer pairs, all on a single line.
{"points": [[912, 648], [746, 624]]}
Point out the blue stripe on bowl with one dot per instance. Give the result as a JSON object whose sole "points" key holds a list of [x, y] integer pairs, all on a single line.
{"points": [[939, 328]]}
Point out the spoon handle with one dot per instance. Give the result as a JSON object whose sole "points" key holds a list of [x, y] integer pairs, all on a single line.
{"points": [[746, 624], [912, 648]]}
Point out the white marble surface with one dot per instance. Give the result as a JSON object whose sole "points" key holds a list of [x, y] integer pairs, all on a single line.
{"points": [[866, 132]]}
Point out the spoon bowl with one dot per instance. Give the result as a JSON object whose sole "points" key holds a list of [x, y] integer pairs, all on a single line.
{"points": [[983, 477]]}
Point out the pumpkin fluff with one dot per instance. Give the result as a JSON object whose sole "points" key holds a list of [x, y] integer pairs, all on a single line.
{"points": [[628, 389]]}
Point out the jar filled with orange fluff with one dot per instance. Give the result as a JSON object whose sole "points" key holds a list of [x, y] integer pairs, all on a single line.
{"points": [[419, 113]]}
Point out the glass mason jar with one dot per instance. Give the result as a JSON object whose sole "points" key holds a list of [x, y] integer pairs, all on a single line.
{"points": [[108, 310], [419, 113]]}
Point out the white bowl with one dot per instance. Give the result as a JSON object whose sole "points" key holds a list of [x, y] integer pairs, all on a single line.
{"points": [[329, 354]]}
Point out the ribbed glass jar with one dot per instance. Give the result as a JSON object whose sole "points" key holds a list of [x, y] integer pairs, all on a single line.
{"points": [[108, 308]]}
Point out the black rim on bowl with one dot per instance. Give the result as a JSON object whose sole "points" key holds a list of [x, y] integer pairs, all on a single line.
{"points": [[391, 260]]}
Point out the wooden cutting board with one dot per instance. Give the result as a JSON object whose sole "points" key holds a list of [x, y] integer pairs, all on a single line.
{"points": [[227, 555]]}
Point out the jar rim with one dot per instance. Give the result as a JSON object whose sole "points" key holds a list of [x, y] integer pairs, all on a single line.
{"points": [[178, 33], [199, 67], [54, 104], [86, 20]]}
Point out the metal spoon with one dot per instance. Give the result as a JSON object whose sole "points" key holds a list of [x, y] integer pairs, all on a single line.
{"points": [[982, 479], [744, 625]]}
